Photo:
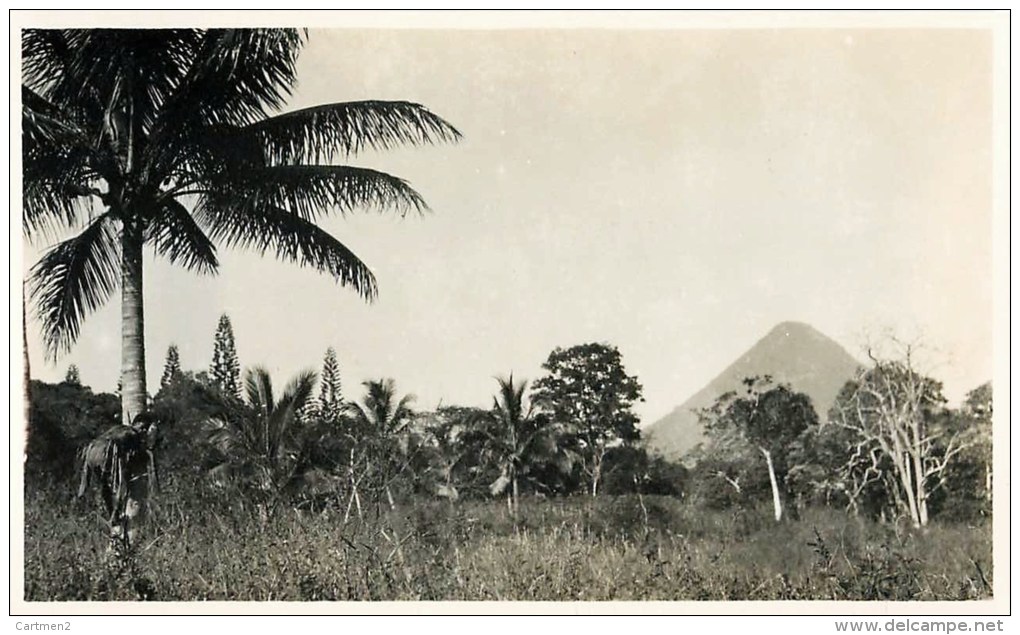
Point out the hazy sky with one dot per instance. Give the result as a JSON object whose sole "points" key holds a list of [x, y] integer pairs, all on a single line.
{"points": [[674, 193]]}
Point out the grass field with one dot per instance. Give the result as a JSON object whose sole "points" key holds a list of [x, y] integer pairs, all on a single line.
{"points": [[621, 548]]}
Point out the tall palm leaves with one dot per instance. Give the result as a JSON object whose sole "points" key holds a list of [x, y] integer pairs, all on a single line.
{"points": [[381, 412], [170, 138], [258, 440], [517, 435], [381, 424]]}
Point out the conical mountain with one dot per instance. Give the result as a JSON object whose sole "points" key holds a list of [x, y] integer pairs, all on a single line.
{"points": [[792, 353]]}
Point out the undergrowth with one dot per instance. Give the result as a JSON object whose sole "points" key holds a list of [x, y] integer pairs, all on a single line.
{"points": [[610, 548]]}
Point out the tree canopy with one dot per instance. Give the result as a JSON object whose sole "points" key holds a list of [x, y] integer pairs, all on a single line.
{"points": [[588, 391]]}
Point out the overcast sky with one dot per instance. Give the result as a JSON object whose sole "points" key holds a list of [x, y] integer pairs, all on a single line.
{"points": [[674, 193]]}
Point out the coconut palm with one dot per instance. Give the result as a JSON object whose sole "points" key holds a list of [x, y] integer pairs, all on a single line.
{"points": [[258, 441], [381, 425], [170, 138], [517, 435]]}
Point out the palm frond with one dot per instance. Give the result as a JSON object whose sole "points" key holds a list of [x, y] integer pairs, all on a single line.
{"points": [[177, 237], [284, 416], [379, 400], [509, 403], [100, 73], [73, 279], [215, 153], [310, 191], [56, 170], [45, 55], [237, 76], [51, 206], [230, 436], [322, 133], [358, 413], [269, 228], [258, 387], [42, 121], [299, 390], [402, 414], [129, 68], [380, 410]]}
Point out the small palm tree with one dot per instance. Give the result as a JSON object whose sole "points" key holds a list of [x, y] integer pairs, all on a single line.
{"points": [[381, 426], [516, 436], [258, 441]]}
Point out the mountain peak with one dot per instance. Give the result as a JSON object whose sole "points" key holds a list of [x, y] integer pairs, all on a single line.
{"points": [[792, 326], [793, 353]]}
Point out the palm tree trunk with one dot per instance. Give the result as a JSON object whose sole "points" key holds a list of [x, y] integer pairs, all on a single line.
{"points": [[133, 393], [777, 503]]}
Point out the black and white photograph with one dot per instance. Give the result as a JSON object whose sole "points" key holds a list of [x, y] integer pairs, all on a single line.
{"points": [[640, 312]]}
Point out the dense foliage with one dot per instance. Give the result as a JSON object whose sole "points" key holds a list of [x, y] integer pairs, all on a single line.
{"points": [[62, 419], [588, 392], [419, 496]]}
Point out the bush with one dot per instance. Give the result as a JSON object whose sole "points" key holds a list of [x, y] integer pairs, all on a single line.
{"points": [[631, 470], [63, 418]]}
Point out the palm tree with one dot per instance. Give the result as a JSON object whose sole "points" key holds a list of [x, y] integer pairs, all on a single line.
{"points": [[169, 138], [515, 434], [381, 425], [258, 440], [165, 138]]}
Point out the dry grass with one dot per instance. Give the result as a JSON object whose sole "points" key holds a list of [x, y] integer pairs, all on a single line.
{"points": [[570, 549]]}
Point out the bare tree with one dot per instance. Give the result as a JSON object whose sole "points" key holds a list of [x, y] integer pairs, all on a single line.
{"points": [[892, 408]]}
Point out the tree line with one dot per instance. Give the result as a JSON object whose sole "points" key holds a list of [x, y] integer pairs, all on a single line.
{"points": [[888, 448], [572, 430]]}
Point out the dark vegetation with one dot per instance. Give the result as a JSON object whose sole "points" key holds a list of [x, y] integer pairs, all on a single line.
{"points": [[277, 495]]}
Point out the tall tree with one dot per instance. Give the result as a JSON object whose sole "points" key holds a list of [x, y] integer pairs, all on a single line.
{"points": [[172, 366], [330, 396], [895, 414], [73, 376], [589, 393], [225, 369], [516, 435], [769, 419], [170, 137]]}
